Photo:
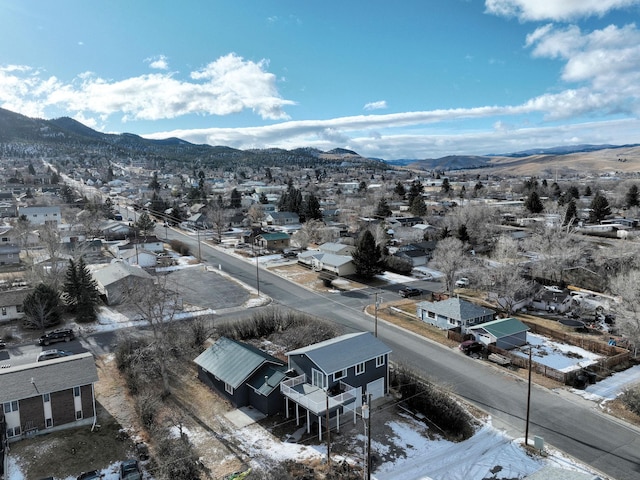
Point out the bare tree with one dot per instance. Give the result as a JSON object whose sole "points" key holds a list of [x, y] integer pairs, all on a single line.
{"points": [[625, 287], [158, 306], [449, 258], [256, 213], [217, 216]]}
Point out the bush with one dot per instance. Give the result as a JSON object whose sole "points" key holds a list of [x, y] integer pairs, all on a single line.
{"points": [[438, 406], [180, 247], [176, 458], [147, 406], [398, 265], [631, 399]]}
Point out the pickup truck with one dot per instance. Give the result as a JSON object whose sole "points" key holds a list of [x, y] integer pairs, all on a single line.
{"points": [[407, 292], [462, 282]]}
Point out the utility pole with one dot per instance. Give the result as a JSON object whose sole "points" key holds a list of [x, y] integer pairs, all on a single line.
{"points": [[253, 245], [199, 253], [328, 436], [366, 414], [375, 328], [526, 431]]}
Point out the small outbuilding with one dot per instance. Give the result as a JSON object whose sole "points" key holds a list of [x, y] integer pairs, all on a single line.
{"points": [[504, 333]]}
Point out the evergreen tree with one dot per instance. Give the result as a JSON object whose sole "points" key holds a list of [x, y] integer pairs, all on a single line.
{"points": [[367, 256], [145, 224], [533, 203], [311, 209], [400, 190], [32, 171], [632, 198], [80, 292], [463, 234], [587, 191], [600, 208], [418, 208], [572, 191], [41, 308], [362, 187], [154, 184], [383, 210], [236, 199], [571, 213], [414, 191], [262, 198], [446, 186]]}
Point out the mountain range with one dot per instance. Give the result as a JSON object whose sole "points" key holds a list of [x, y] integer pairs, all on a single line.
{"points": [[67, 136]]}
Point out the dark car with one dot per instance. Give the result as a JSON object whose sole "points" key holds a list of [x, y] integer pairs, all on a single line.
{"points": [[92, 475], [129, 470], [2, 343], [470, 346], [59, 335], [410, 292]]}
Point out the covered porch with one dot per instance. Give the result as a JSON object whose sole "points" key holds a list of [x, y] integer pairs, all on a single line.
{"points": [[318, 401]]}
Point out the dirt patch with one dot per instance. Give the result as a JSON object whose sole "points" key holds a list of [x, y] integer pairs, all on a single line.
{"points": [[309, 278]]}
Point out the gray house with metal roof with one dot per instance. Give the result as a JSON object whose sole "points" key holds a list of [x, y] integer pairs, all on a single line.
{"points": [[243, 374], [335, 374], [453, 313], [116, 280], [48, 396]]}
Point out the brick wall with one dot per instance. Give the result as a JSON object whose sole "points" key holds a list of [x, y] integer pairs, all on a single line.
{"points": [[62, 407], [32, 413]]}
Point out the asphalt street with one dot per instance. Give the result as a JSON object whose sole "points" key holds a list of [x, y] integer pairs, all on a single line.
{"points": [[563, 420]]}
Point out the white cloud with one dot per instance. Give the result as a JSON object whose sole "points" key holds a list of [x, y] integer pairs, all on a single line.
{"points": [[379, 105], [556, 10], [159, 62], [228, 85]]}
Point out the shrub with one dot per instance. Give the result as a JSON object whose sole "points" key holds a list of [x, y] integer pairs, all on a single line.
{"points": [[398, 265], [631, 399], [437, 406], [180, 247]]}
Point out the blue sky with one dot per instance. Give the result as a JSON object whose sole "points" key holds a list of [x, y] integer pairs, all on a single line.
{"points": [[409, 79]]}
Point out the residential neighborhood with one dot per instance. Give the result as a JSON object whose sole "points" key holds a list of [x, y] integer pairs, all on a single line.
{"points": [[501, 265]]}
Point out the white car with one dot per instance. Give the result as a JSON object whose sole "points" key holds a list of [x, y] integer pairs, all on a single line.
{"points": [[462, 282]]}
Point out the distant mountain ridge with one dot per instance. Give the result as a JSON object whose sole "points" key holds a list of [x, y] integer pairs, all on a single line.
{"points": [[66, 135]]}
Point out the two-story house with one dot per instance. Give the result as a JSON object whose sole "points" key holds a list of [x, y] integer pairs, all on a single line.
{"points": [[331, 377], [41, 214]]}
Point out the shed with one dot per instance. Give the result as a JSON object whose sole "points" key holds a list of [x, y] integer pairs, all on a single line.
{"points": [[505, 333]]}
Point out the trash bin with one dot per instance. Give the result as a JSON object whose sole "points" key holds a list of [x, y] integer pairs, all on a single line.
{"points": [[591, 376]]}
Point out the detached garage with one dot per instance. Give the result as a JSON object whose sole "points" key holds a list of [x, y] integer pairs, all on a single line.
{"points": [[505, 333]]}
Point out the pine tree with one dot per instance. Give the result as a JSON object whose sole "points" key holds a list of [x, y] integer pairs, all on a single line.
{"points": [[88, 297], [41, 308], [383, 210], [71, 287], [418, 208], [311, 209], [400, 190], [145, 224], [571, 213], [463, 234], [367, 256], [533, 203], [631, 198], [600, 208]]}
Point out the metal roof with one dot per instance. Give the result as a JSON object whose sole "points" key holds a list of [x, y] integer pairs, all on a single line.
{"points": [[502, 327], [267, 379], [33, 379], [456, 309], [343, 351], [233, 362], [115, 272]]}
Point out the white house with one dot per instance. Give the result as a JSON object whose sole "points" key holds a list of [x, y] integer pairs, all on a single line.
{"points": [[41, 215]]}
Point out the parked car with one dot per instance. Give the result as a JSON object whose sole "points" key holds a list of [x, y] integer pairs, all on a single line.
{"points": [[51, 354], [410, 292], [59, 335], [471, 346], [129, 470], [2, 343], [92, 475], [462, 282]]}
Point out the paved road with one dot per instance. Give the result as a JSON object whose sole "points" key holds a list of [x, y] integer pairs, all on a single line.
{"points": [[565, 421]]}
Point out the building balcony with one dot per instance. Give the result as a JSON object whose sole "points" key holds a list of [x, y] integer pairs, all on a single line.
{"points": [[315, 399]]}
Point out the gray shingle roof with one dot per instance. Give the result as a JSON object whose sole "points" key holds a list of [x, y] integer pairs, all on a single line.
{"points": [[115, 272], [456, 309], [48, 377], [233, 362], [343, 351]]}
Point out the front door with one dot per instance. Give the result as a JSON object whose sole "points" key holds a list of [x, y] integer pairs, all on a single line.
{"points": [[317, 378]]}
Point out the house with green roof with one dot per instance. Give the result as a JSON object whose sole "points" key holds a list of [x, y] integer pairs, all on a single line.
{"points": [[243, 374], [273, 241], [504, 333]]}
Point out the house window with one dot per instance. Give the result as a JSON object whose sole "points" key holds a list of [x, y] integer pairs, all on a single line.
{"points": [[46, 398], [13, 432], [431, 314], [339, 374], [76, 391], [4, 310], [48, 422], [10, 406], [19, 308], [360, 368], [79, 415], [228, 388], [380, 361], [5, 239]]}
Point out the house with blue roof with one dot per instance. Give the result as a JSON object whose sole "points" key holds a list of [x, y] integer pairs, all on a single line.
{"points": [[454, 313], [243, 374]]}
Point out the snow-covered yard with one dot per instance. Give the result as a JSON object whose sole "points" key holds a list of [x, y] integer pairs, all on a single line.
{"points": [[559, 356]]}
